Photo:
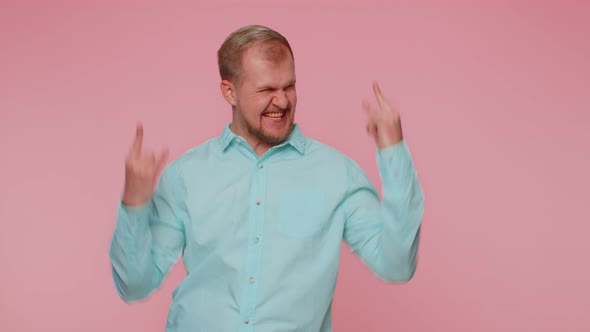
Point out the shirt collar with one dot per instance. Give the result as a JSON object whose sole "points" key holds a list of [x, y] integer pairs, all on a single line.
{"points": [[296, 139]]}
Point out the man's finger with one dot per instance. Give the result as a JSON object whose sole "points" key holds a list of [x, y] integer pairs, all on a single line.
{"points": [[380, 99], [371, 119], [371, 113], [372, 129], [136, 150]]}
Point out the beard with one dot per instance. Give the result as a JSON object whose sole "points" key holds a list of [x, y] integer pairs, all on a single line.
{"points": [[264, 137]]}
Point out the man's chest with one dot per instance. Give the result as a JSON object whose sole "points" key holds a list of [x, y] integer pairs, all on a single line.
{"points": [[234, 203]]}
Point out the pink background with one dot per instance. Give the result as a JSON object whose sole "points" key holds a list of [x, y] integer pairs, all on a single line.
{"points": [[494, 99]]}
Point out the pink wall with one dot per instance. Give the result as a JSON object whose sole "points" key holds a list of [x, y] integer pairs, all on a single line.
{"points": [[494, 99]]}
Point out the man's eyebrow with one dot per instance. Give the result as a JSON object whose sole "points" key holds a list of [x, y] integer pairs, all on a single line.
{"points": [[268, 86]]}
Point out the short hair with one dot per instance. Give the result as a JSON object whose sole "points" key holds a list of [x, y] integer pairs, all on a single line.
{"points": [[229, 55]]}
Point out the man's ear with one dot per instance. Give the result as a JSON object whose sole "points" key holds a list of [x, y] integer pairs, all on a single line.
{"points": [[228, 91]]}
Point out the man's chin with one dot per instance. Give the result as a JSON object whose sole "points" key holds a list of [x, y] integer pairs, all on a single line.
{"points": [[275, 139]]}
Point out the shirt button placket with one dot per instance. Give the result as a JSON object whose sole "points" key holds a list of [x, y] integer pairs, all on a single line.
{"points": [[254, 247]]}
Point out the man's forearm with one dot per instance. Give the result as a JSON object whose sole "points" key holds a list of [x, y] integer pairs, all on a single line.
{"points": [[402, 210], [130, 253]]}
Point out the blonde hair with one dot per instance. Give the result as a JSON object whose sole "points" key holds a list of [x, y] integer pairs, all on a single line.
{"points": [[229, 55]]}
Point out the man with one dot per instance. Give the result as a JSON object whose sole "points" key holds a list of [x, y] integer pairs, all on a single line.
{"points": [[259, 213]]}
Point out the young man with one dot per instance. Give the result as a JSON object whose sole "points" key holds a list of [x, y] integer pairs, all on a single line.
{"points": [[259, 213]]}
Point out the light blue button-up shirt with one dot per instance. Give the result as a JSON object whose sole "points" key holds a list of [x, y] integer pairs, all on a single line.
{"points": [[260, 237]]}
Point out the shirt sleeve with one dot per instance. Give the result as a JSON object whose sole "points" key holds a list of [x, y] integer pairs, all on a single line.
{"points": [[147, 240], [385, 233]]}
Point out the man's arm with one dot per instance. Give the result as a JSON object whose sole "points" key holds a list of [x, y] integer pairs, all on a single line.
{"points": [[149, 232], [385, 234]]}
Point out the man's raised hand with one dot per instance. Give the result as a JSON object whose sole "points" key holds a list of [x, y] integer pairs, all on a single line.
{"points": [[141, 172], [384, 125]]}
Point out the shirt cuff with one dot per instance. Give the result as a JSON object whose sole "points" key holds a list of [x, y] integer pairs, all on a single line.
{"points": [[395, 162], [133, 217]]}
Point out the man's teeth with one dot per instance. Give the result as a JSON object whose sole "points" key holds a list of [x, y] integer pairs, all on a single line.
{"points": [[273, 114]]}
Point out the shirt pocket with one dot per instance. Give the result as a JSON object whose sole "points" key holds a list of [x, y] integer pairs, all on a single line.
{"points": [[302, 212]]}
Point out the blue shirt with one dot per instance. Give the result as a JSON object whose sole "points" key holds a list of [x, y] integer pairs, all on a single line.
{"points": [[260, 237]]}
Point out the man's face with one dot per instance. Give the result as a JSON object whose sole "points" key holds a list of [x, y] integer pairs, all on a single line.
{"points": [[265, 99]]}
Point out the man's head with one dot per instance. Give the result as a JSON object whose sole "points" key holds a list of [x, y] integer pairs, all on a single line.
{"points": [[258, 79]]}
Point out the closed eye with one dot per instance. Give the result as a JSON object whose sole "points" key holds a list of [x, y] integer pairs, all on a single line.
{"points": [[288, 87]]}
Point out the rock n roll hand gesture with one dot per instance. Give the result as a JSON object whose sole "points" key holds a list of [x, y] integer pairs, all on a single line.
{"points": [[384, 125], [141, 172]]}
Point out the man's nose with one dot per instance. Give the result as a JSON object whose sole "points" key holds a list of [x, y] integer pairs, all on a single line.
{"points": [[280, 99]]}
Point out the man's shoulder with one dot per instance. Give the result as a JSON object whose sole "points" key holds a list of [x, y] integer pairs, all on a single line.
{"points": [[318, 148], [199, 152]]}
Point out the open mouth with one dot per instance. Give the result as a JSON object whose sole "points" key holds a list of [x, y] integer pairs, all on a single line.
{"points": [[274, 115]]}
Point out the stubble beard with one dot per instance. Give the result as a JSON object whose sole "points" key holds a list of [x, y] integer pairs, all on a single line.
{"points": [[268, 139]]}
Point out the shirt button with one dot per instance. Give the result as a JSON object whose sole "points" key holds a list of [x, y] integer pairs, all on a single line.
{"points": [[238, 140], [256, 239], [260, 165], [258, 202], [251, 280], [246, 321]]}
